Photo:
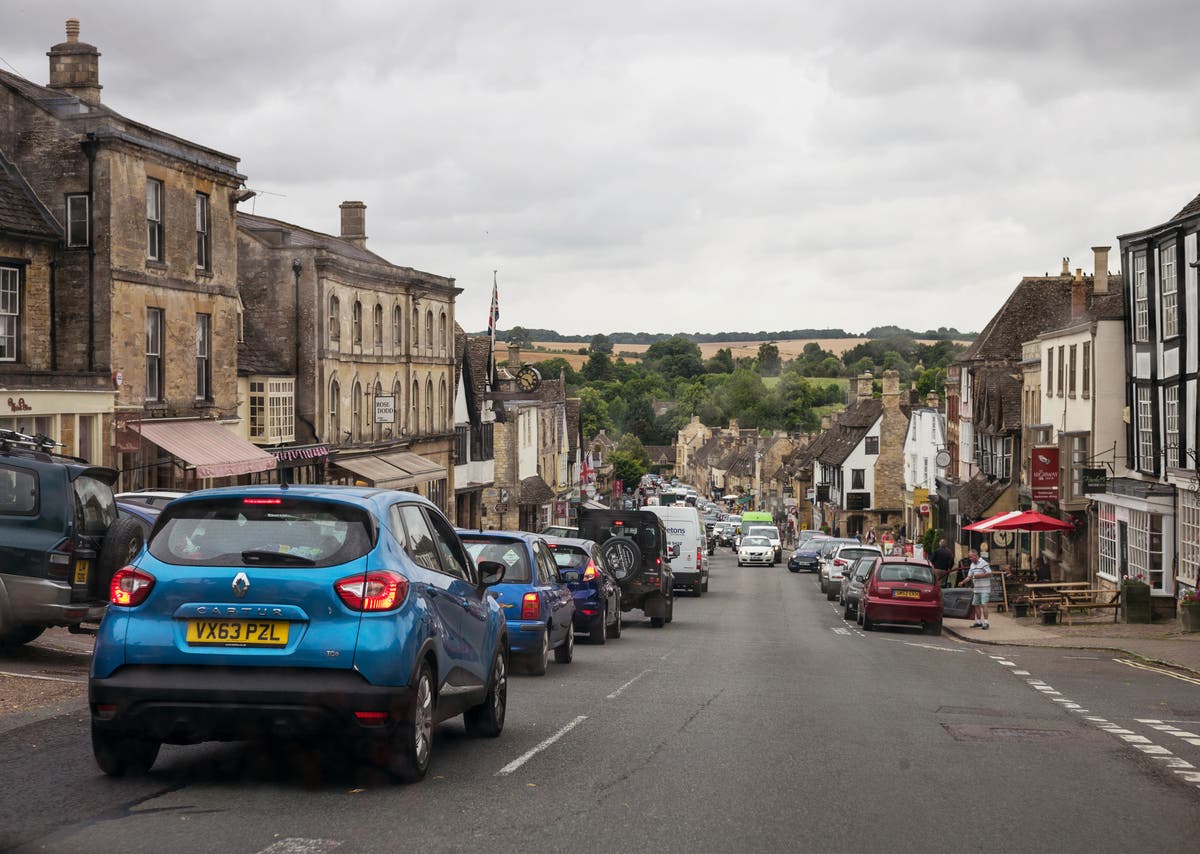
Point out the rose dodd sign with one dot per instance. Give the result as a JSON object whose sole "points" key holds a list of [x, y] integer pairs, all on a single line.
{"points": [[1043, 475]]}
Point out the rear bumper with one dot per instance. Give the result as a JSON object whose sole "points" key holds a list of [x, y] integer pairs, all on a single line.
{"points": [[896, 611], [42, 602], [685, 579], [525, 636], [184, 705]]}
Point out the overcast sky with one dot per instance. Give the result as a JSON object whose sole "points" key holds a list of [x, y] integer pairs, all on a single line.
{"points": [[679, 165]]}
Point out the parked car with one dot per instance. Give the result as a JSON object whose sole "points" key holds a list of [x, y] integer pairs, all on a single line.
{"points": [[852, 584], [150, 497], [61, 539], [807, 556], [597, 593], [145, 516], [755, 550], [559, 531], [298, 611], [839, 562], [901, 590], [828, 548], [538, 605], [636, 548]]}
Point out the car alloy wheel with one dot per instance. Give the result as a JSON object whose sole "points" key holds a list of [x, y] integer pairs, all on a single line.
{"points": [[566, 652], [541, 659], [413, 742], [487, 719]]}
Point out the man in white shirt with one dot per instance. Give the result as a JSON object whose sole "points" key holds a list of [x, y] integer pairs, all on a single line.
{"points": [[979, 574]]}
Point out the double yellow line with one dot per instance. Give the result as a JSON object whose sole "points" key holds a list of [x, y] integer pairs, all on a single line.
{"points": [[1189, 679]]}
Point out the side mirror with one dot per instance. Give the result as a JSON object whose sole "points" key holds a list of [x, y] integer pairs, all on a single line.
{"points": [[491, 572], [569, 576]]}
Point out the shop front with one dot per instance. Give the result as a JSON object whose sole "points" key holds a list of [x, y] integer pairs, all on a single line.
{"points": [[187, 454]]}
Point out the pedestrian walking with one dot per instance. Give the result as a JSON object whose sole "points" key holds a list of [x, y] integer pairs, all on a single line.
{"points": [[979, 573], [943, 562]]}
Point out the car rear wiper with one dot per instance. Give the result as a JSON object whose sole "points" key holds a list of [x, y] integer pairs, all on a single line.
{"points": [[285, 558]]}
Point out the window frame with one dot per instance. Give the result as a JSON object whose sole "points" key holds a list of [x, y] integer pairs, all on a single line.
{"points": [[1049, 372], [72, 221], [155, 226], [871, 446], [204, 357], [397, 327], [356, 414], [1144, 428], [203, 233], [377, 323], [155, 363], [1168, 299], [1071, 370], [335, 319], [1061, 369], [1086, 364], [335, 413], [356, 323], [12, 322], [1141, 299], [1171, 425]]}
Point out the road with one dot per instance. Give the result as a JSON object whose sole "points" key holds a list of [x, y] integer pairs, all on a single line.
{"points": [[758, 720]]}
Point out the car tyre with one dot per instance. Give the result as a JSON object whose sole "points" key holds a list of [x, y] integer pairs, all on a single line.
{"points": [[565, 652], [830, 595], [670, 609], [933, 628], [599, 630], [412, 742], [614, 630], [867, 625], [623, 552], [487, 719], [704, 586], [20, 635], [698, 589], [121, 755], [846, 611], [540, 660], [122, 541]]}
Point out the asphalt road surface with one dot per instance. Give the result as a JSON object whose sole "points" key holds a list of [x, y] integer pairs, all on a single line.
{"points": [[758, 720]]}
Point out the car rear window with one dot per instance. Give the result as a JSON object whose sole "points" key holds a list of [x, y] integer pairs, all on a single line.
{"points": [[569, 557], [262, 531], [95, 506], [511, 553], [852, 554], [18, 492], [906, 572]]}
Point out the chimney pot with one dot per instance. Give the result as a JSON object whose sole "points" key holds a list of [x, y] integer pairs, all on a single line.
{"points": [[75, 66], [1066, 270], [866, 386], [354, 223], [72, 30], [1100, 279]]}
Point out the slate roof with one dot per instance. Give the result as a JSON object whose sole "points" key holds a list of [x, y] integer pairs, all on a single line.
{"points": [[1037, 304], [21, 212], [997, 399], [1192, 208], [278, 233], [661, 454], [534, 490], [977, 495], [835, 444]]}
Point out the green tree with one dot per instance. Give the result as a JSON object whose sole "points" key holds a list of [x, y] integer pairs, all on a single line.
{"points": [[598, 367], [674, 357], [632, 445], [601, 343], [931, 379], [721, 362], [593, 413], [550, 369], [626, 467], [519, 335], [769, 364]]}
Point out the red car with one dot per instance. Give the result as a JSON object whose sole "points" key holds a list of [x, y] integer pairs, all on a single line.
{"points": [[901, 590]]}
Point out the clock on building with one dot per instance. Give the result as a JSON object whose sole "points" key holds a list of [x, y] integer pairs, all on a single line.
{"points": [[528, 378]]}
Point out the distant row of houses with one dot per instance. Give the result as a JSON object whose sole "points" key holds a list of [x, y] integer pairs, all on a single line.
{"points": [[149, 324]]}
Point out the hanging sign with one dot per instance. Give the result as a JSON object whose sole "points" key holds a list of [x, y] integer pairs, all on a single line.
{"points": [[1043, 474], [1095, 480]]}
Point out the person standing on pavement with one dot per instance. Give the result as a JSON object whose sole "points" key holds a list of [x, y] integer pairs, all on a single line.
{"points": [[979, 573], [943, 561]]}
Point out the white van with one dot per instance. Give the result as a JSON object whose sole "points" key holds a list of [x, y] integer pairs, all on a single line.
{"points": [[685, 529]]}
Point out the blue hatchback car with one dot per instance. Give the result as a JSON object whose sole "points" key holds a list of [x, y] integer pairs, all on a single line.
{"points": [[298, 611], [537, 603], [597, 592]]}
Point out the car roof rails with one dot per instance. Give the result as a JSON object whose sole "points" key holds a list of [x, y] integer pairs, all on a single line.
{"points": [[41, 444]]}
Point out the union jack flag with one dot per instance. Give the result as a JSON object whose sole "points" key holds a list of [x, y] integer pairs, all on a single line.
{"points": [[494, 312]]}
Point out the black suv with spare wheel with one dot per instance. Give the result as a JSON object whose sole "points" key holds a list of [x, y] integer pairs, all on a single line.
{"points": [[635, 546], [61, 538]]}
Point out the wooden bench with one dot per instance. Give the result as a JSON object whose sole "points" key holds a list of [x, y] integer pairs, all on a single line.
{"points": [[1042, 593], [1087, 600]]}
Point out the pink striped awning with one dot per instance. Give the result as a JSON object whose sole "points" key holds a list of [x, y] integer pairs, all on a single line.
{"points": [[206, 446]]}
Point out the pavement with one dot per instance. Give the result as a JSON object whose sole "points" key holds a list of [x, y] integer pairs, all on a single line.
{"points": [[1161, 641]]}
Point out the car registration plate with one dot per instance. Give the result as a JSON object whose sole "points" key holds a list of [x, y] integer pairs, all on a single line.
{"points": [[237, 633], [81, 571], [906, 594]]}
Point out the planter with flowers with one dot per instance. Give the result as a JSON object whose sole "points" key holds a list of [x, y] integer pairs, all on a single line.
{"points": [[1048, 615], [1020, 606], [1189, 611], [1135, 599]]}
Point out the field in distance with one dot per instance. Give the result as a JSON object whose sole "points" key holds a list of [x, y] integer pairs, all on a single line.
{"points": [[632, 352]]}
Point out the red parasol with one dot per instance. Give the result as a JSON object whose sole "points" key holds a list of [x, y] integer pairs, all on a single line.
{"points": [[1027, 520]]}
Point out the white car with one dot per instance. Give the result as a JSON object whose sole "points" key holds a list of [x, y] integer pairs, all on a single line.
{"points": [[840, 561], [772, 534], [753, 550]]}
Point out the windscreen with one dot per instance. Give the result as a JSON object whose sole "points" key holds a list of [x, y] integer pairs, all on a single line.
{"points": [[511, 553], [569, 557], [755, 541], [906, 572], [261, 531], [768, 531]]}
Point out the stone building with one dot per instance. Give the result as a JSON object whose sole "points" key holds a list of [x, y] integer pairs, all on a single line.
{"points": [[361, 368], [144, 291], [474, 431]]}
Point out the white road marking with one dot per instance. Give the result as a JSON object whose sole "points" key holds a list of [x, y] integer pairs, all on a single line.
{"points": [[540, 746], [840, 631], [44, 678], [666, 655], [1020, 673], [617, 692], [301, 846]]}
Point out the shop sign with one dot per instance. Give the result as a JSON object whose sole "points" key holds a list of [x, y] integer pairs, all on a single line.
{"points": [[385, 409], [1094, 480], [128, 439], [1043, 474]]}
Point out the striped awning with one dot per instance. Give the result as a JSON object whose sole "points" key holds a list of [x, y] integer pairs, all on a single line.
{"points": [[209, 448], [300, 452]]}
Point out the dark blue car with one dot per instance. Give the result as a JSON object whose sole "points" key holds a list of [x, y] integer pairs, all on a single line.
{"points": [[596, 591], [808, 556], [298, 612], [537, 605]]}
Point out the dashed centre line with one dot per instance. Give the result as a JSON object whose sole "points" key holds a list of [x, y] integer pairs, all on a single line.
{"points": [[539, 747], [617, 693]]}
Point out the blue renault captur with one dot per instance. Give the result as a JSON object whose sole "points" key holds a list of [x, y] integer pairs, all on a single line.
{"points": [[296, 612], [537, 603]]}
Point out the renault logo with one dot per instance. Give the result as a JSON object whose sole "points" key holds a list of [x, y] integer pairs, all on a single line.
{"points": [[240, 585]]}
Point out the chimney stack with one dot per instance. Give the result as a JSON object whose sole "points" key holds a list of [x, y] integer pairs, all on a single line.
{"points": [[514, 354], [826, 422], [891, 388], [1100, 279], [1078, 297], [932, 400], [354, 223], [866, 386], [75, 66], [1066, 270]]}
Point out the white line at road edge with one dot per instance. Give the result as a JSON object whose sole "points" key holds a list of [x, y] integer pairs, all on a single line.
{"points": [[617, 692], [43, 678], [533, 751]]}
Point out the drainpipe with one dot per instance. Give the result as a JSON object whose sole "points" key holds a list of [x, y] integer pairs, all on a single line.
{"points": [[90, 146], [297, 268]]}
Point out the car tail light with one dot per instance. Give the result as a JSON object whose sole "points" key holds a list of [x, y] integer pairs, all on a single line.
{"points": [[699, 560], [129, 587], [60, 559], [262, 500], [371, 718], [589, 574], [373, 591], [531, 606]]}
